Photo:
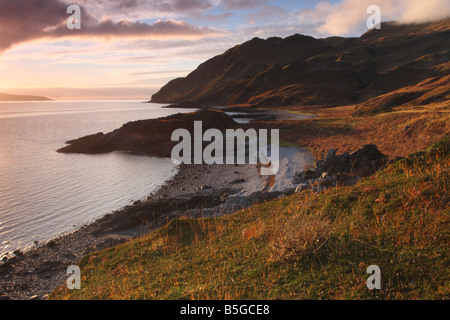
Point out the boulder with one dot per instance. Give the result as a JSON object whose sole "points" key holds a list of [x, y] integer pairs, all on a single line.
{"points": [[345, 169]]}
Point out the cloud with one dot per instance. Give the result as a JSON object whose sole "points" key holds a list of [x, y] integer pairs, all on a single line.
{"points": [[424, 11], [145, 8], [27, 20], [269, 13], [159, 8], [23, 20], [348, 16], [217, 17], [243, 4], [124, 28]]}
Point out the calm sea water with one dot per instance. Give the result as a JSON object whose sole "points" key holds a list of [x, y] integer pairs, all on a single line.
{"points": [[44, 194]]}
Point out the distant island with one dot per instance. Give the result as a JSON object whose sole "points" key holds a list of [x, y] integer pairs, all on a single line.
{"points": [[13, 97]]}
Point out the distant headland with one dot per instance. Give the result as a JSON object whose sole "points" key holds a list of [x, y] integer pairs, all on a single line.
{"points": [[12, 97]]}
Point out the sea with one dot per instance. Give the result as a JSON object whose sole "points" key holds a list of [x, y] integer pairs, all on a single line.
{"points": [[45, 194]]}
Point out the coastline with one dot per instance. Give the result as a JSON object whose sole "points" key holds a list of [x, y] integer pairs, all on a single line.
{"points": [[359, 207], [196, 191]]}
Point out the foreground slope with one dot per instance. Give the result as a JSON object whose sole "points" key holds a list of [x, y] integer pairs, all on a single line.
{"points": [[309, 245]]}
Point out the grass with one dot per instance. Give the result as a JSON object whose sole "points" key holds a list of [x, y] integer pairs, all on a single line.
{"points": [[286, 144], [389, 131], [301, 113], [307, 246]]}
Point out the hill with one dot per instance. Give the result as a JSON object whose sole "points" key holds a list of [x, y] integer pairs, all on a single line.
{"points": [[11, 97], [303, 71], [389, 87]]}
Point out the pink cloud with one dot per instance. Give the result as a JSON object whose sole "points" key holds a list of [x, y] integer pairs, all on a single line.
{"points": [[28, 20], [347, 16]]}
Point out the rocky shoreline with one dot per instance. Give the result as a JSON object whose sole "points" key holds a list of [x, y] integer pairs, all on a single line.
{"points": [[196, 191]]}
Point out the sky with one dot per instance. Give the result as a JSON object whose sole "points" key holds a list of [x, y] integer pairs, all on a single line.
{"points": [[128, 49]]}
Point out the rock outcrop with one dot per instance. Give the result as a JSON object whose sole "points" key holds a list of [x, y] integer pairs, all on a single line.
{"points": [[150, 137], [342, 170]]}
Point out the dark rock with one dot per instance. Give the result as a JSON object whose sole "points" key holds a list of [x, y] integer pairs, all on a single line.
{"points": [[305, 176], [5, 267], [149, 211], [367, 160], [238, 181], [47, 266], [18, 253], [330, 155], [343, 170], [51, 244], [151, 137], [256, 197], [4, 298], [69, 255]]}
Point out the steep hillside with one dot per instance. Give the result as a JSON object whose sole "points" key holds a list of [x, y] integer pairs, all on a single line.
{"points": [[304, 71]]}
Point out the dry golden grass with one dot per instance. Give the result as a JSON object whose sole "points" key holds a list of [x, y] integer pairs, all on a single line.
{"points": [[300, 236], [307, 246], [397, 133]]}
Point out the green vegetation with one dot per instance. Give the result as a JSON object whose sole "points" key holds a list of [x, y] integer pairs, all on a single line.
{"points": [[307, 246]]}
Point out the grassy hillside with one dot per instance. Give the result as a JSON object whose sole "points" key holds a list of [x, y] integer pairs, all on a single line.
{"points": [[307, 246]]}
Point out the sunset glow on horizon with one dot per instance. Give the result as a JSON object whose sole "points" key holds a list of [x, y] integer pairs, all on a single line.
{"points": [[129, 49]]}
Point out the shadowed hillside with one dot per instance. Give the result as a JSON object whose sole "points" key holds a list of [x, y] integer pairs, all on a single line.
{"points": [[304, 71]]}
